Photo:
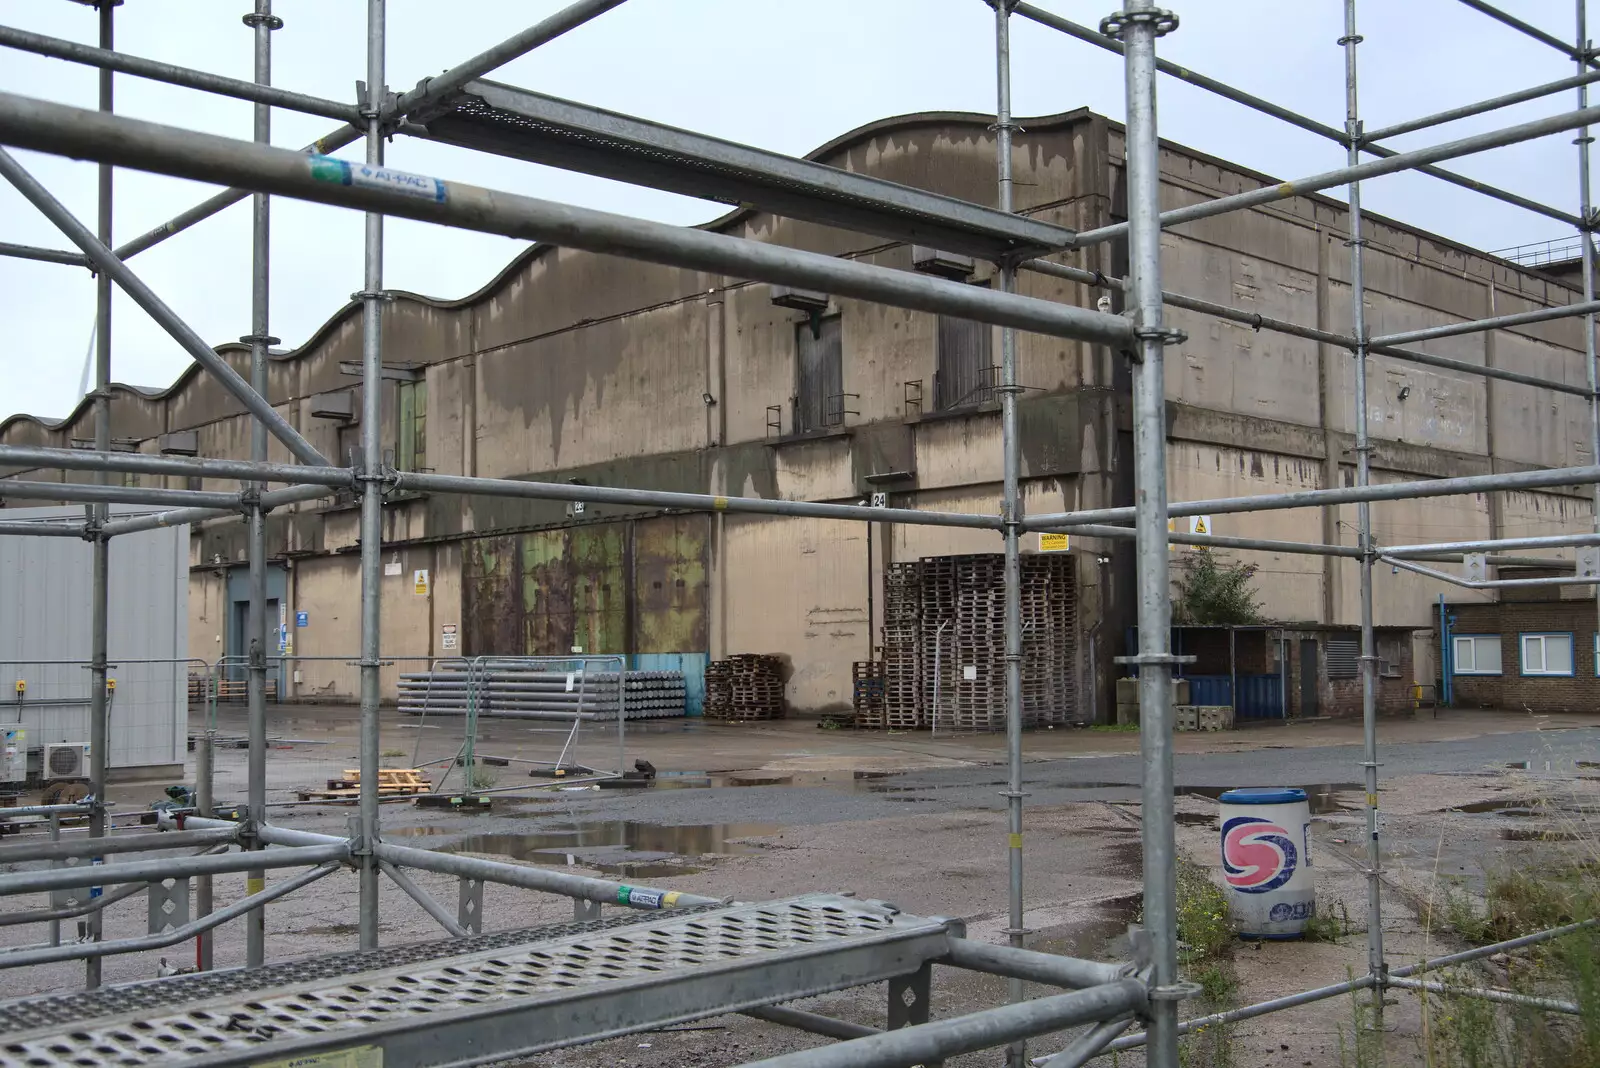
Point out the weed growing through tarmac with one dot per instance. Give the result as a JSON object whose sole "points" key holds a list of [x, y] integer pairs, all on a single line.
{"points": [[1324, 926], [393, 754], [1113, 726], [482, 778], [1205, 947], [1560, 887]]}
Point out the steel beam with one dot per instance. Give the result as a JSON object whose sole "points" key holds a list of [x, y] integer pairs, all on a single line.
{"points": [[330, 142], [1401, 161], [143, 871], [172, 74], [30, 529], [1492, 104], [122, 843], [1530, 30], [30, 957], [43, 255], [113, 268], [33, 456], [509, 121], [1487, 584], [1499, 322], [1048, 968], [1545, 541], [100, 549], [1239, 96], [696, 502], [534, 878], [1222, 541], [423, 898], [127, 142], [1141, 25], [1247, 1012], [439, 86], [1011, 533], [371, 522], [940, 1039], [811, 1022], [23, 490], [179, 516], [1392, 491]]}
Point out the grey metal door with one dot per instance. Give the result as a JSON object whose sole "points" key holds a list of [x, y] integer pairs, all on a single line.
{"points": [[1308, 677], [819, 393]]}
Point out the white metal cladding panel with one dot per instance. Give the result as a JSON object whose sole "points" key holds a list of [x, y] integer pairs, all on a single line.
{"points": [[44, 615]]}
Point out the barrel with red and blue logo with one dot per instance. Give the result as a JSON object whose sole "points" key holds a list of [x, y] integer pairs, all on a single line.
{"points": [[1266, 860]]}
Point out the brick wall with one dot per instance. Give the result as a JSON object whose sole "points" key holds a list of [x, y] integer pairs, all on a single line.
{"points": [[1342, 696], [1579, 692]]}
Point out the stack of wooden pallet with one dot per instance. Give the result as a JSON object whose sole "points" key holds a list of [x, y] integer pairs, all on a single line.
{"points": [[744, 687], [392, 782], [962, 641], [866, 694], [902, 646]]}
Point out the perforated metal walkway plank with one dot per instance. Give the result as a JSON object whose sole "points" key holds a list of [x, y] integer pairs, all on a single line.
{"points": [[413, 1007]]}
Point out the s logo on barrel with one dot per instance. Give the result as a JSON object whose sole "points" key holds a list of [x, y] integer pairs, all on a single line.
{"points": [[1257, 854]]}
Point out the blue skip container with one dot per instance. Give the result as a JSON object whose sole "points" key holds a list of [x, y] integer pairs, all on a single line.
{"points": [[1266, 860]]}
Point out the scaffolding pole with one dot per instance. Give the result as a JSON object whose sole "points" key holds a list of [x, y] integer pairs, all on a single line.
{"points": [[100, 579], [1010, 515], [1582, 54], [1265, 107], [63, 130], [43, 255], [172, 74], [262, 23], [113, 269], [1369, 655], [1356, 172], [1140, 24], [372, 481]]}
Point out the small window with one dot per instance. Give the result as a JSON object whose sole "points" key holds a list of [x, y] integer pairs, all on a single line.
{"points": [[966, 373], [1547, 654], [1476, 654], [819, 360], [412, 455], [195, 482], [130, 478]]}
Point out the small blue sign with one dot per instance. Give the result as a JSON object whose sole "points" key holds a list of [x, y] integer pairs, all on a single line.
{"points": [[302, 619]]}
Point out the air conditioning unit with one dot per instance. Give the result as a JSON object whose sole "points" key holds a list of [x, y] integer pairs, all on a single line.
{"points": [[66, 760]]}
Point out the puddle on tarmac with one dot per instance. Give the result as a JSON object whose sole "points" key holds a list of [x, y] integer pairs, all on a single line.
{"points": [[1321, 798], [615, 847], [1505, 806]]}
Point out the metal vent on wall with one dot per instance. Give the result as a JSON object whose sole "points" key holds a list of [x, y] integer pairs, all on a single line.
{"points": [[1344, 658]]}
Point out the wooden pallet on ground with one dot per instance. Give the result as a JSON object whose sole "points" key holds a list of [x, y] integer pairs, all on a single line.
{"points": [[392, 782]]}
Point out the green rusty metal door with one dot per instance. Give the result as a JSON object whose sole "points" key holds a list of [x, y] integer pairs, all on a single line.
{"points": [[669, 571], [573, 590], [626, 587], [492, 621]]}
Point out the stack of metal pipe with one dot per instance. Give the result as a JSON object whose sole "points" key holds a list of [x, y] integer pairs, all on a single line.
{"points": [[541, 693]]}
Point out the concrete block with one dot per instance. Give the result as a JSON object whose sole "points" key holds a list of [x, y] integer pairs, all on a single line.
{"points": [[1213, 717], [1185, 718], [1127, 715]]}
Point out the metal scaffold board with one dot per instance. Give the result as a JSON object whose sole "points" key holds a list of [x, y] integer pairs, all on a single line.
{"points": [[414, 1006], [508, 121]]}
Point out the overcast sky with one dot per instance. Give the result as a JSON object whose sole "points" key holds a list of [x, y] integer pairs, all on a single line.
{"points": [[782, 75]]}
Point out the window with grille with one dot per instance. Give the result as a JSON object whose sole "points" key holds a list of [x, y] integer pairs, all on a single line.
{"points": [[966, 372], [1547, 654], [819, 385], [1475, 654]]}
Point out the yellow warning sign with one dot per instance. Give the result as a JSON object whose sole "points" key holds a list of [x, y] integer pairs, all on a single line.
{"points": [[1199, 524], [1172, 528], [1054, 543]]}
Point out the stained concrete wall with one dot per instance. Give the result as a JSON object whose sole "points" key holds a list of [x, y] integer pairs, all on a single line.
{"points": [[574, 365]]}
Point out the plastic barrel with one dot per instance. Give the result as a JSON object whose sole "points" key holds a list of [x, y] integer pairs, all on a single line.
{"points": [[1266, 860]]}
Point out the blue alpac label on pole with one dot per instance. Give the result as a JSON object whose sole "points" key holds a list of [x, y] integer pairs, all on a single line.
{"points": [[373, 176]]}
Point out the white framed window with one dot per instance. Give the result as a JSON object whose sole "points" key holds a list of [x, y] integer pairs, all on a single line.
{"points": [[1476, 654], [1546, 654]]}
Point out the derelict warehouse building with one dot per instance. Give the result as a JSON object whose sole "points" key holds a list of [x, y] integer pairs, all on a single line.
{"points": [[570, 366]]}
